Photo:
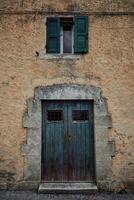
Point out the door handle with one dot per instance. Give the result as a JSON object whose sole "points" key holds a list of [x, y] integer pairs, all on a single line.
{"points": [[67, 138]]}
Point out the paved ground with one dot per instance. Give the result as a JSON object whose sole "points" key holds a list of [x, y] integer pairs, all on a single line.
{"points": [[19, 195]]}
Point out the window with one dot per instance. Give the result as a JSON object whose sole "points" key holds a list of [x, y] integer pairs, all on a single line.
{"points": [[80, 115], [55, 115], [67, 35]]}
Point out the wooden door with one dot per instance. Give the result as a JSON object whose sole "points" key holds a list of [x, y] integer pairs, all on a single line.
{"points": [[67, 141]]}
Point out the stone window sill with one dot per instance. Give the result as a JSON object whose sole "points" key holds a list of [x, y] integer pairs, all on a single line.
{"points": [[43, 56]]}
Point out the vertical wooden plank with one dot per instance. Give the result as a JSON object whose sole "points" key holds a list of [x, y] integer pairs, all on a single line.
{"points": [[72, 144], [65, 140], [82, 126], [70, 150], [92, 150], [79, 156]]}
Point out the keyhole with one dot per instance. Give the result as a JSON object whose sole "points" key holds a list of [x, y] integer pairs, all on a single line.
{"points": [[69, 137]]}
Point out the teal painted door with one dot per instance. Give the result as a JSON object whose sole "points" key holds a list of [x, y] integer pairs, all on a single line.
{"points": [[67, 141]]}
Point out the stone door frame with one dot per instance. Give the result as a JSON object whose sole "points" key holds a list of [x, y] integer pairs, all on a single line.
{"points": [[32, 120]]}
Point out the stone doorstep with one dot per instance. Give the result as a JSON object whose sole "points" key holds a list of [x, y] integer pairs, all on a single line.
{"points": [[47, 187]]}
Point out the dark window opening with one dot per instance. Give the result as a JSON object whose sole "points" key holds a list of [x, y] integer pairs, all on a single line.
{"points": [[55, 115], [67, 39], [67, 25], [80, 115]]}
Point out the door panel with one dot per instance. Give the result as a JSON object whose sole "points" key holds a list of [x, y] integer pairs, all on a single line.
{"points": [[68, 141], [80, 143], [53, 141]]}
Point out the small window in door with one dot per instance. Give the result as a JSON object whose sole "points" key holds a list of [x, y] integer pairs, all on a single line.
{"points": [[80, 115], [54, 115]]}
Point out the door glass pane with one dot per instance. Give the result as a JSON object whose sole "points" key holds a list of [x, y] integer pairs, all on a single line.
{"points": [[67, 39], [54, 115], [80, 115]]}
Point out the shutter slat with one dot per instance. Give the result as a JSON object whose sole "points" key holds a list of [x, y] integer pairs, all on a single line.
{"points": [[80, 34], [53, 35]]}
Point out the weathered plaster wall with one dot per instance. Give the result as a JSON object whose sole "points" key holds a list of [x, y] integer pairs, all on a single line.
{"points": [[68, 5], [109, 65]]}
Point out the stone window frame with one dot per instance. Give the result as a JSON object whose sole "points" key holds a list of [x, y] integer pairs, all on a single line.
{"points": [[32, 120]]}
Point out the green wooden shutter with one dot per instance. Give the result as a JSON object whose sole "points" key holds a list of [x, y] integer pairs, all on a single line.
{"points": [[53, 35], [80, 34]]}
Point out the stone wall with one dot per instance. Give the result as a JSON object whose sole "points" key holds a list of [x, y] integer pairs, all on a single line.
{"points": [[109, 65]]}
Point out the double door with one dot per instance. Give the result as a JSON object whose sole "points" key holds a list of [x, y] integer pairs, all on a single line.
{"points": [[67, 141]]}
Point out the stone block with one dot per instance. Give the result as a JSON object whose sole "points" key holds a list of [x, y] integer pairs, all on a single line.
{"points": [[103, 121], [32, 168], [32, 121]]}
